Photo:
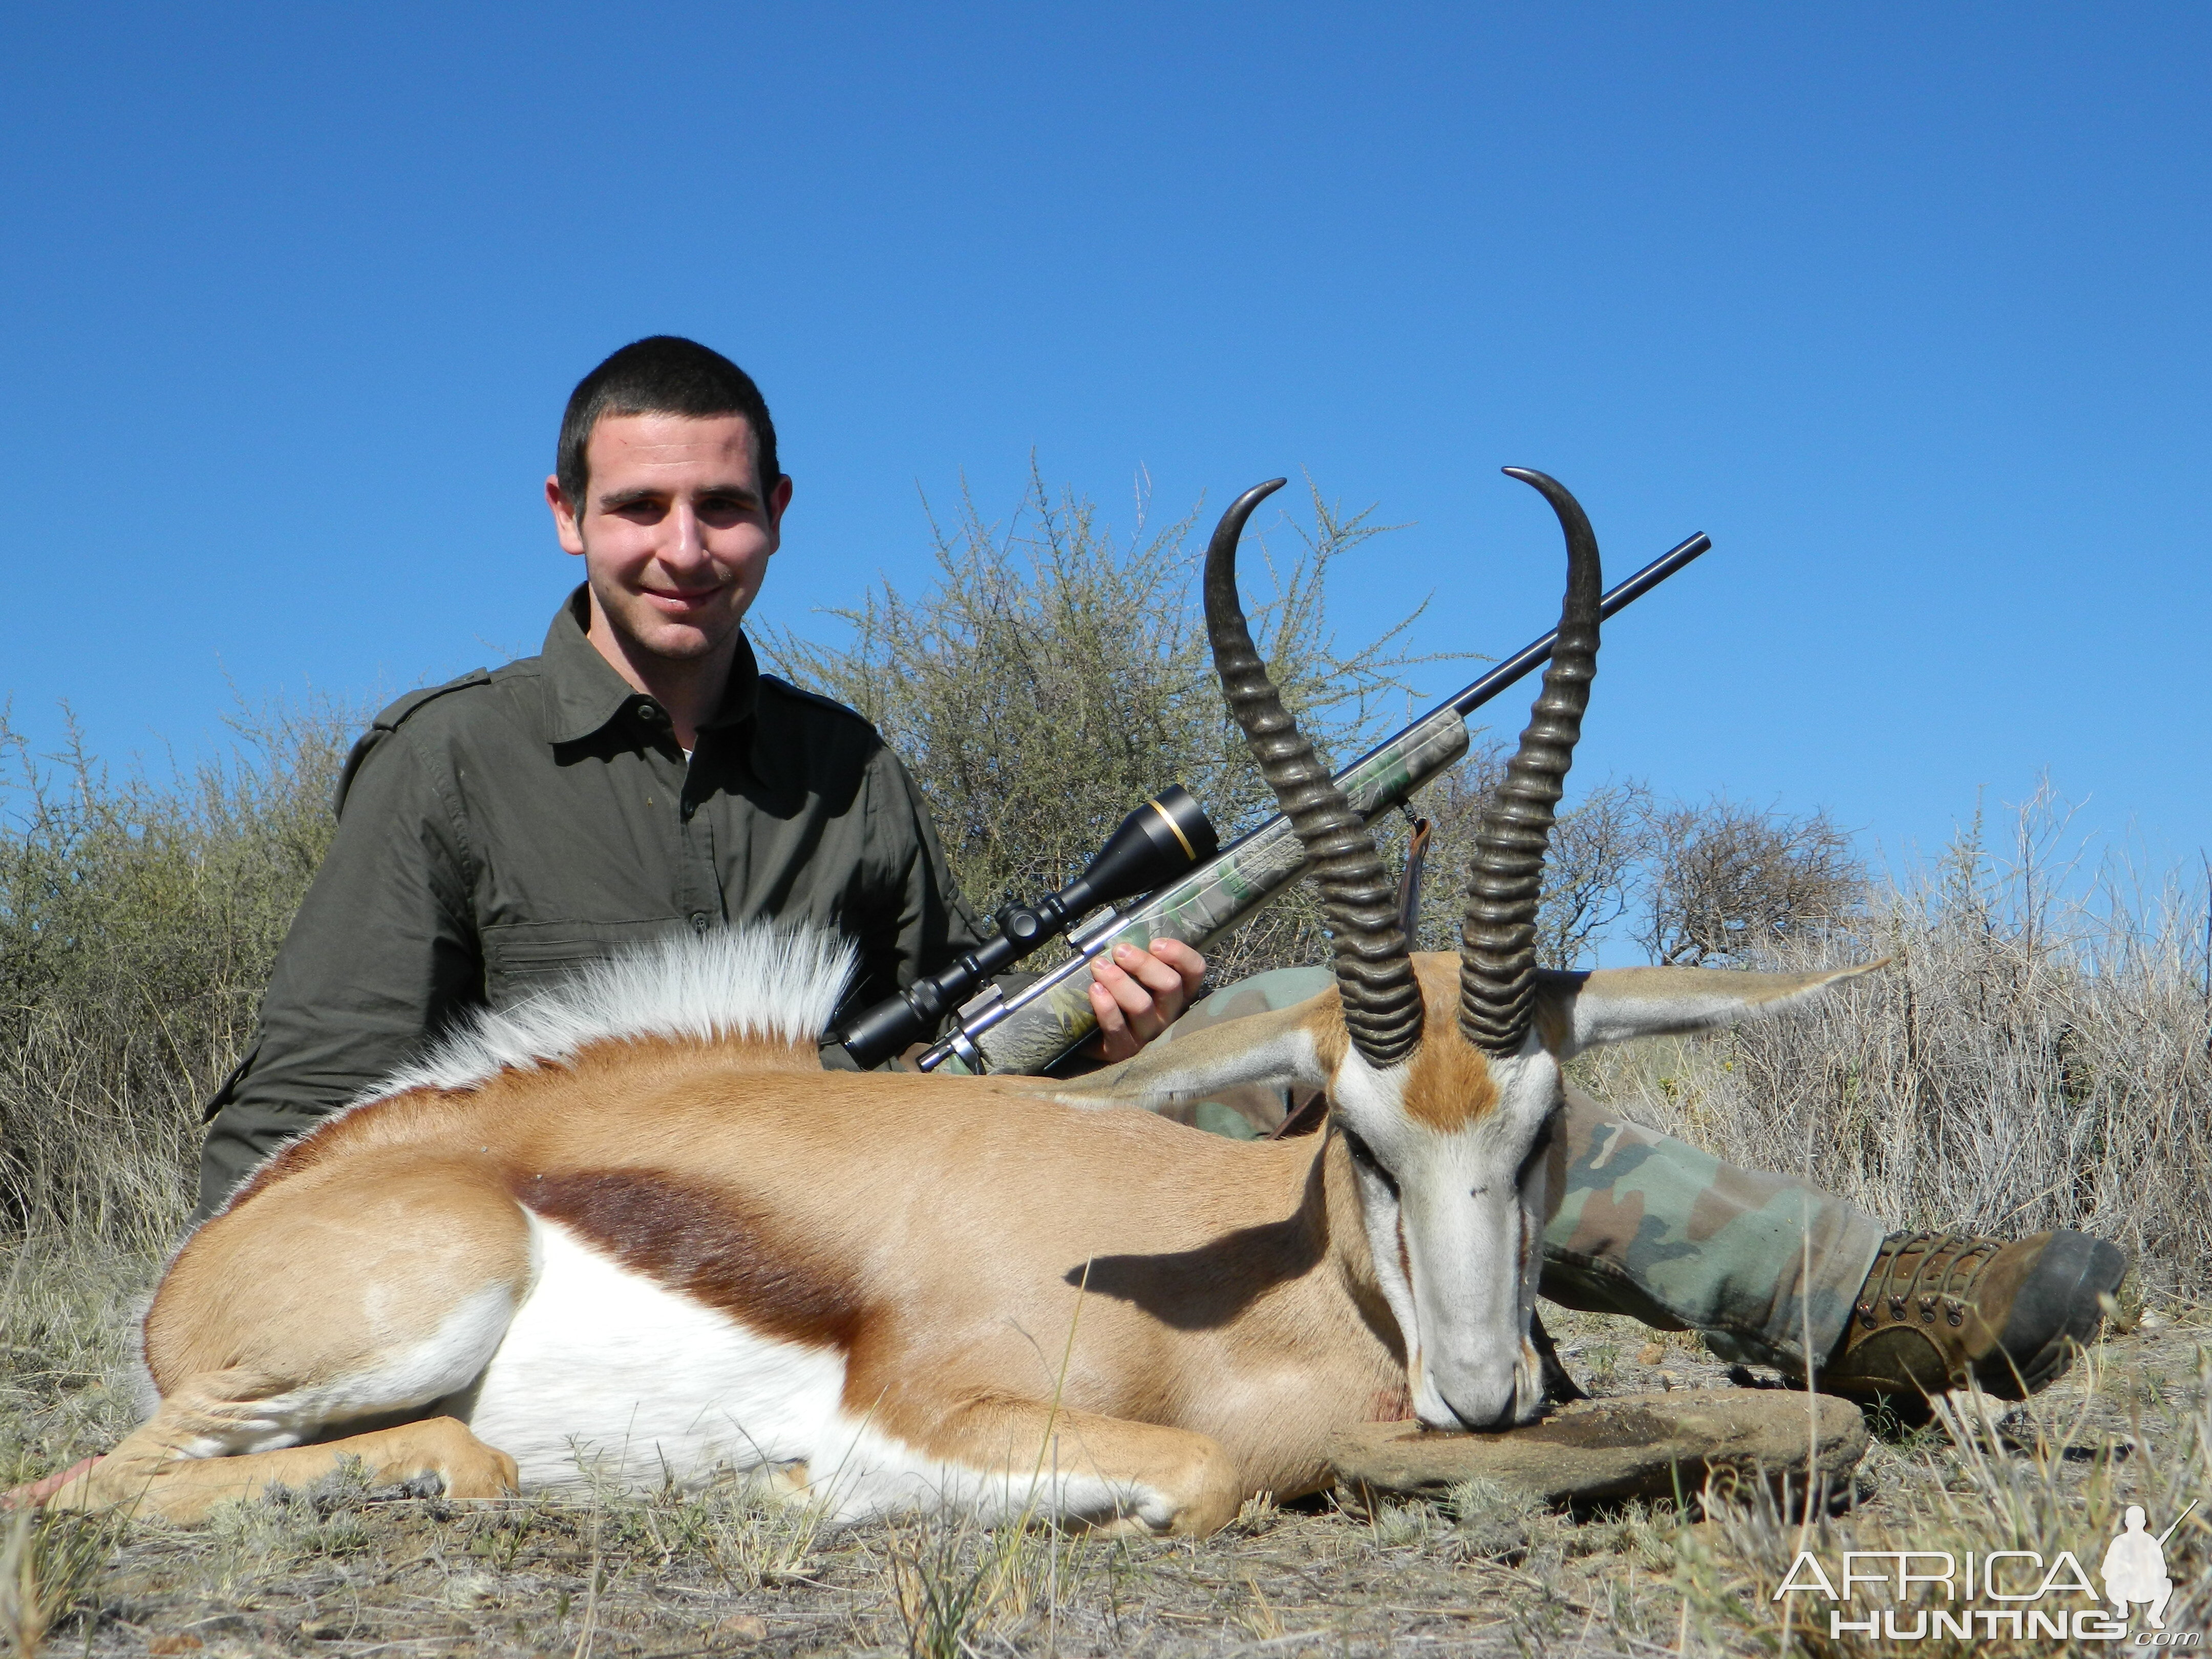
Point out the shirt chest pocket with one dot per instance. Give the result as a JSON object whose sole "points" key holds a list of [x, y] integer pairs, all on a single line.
{"points": [[523, 958]]}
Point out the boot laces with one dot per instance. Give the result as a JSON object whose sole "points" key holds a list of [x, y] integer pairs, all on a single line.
{"points": [[1956, 1260]]}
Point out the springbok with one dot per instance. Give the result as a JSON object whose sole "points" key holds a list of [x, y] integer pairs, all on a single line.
{"points": [[637, 1228]]}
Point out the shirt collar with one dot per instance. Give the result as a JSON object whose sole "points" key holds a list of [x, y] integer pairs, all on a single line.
{"points": [[586, 693]]}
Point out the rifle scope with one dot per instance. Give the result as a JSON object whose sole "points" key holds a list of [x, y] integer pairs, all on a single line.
{"points": [[1158, 842]]}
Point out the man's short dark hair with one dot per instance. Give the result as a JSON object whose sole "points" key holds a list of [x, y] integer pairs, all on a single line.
{"points": [[663, 374]]}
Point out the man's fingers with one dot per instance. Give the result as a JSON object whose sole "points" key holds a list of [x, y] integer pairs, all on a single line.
{"points": [[1114, 1040], [1190, 968], [1112, 1020], [1183, 959], [1148, 970], [1137, 994], [1133, 978]]}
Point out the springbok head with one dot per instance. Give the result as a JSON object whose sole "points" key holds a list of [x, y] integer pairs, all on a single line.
{"points": [[1442, 1093]]}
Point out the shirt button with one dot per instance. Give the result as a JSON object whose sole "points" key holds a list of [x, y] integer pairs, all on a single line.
{"points": [[651, 714], [699, 920]]}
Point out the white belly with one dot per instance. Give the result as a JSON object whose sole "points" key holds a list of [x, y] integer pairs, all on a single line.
{"points": [[605, 1375]]}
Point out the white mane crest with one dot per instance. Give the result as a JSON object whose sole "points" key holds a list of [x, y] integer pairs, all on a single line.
{"points": [[740, 981]]}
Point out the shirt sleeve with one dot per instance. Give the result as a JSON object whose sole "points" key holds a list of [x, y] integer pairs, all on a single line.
{"points": [[915, 921], [382, 954]]}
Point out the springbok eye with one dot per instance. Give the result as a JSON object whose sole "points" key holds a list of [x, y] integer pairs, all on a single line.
{"points": [[1539, 1147], [1363, 1155]]}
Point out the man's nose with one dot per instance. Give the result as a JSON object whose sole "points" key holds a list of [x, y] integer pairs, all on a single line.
{"points": [[687, 543]]}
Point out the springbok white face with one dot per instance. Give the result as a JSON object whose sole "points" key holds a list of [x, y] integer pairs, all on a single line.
{"points": [[1452, 1196], [1443, 1107], [1449, 1153]]}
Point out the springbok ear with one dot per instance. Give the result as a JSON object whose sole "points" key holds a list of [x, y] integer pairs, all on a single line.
{"points": [[1284, 1045], [1575, 1011]]}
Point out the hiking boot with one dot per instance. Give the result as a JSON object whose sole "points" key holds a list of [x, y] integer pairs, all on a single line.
{"points": [[1939, 1310]]}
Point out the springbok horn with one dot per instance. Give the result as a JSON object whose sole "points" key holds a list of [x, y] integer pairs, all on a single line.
{"points": [[1374, 974], [1497, 949]]}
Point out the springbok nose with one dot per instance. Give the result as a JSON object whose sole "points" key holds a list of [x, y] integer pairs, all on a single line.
{"points": [[1473, 1411]]}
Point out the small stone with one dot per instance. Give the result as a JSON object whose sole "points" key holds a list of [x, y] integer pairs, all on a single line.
{"points": [[1668, 1381], [1650, 1354], [743, 1627], [1647, 1445], [326, 1630]]}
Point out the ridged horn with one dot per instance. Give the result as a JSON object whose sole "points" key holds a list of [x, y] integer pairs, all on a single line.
{"points": [[1497, 948], [1374, 974]]}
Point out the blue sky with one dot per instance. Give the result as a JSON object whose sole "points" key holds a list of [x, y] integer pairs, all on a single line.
{"points": [[1907, 307]]}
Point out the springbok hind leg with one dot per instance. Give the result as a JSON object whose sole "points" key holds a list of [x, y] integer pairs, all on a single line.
{"points": [[156, 1469], [1009, 1458]]}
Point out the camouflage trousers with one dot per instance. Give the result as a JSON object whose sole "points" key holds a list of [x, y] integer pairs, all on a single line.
{"points": [[1641, 1224]]}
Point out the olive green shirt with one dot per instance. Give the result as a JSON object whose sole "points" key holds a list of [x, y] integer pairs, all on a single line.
{"points": [[513, 825]]}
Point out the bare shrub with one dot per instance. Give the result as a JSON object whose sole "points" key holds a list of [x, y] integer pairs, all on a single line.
{"points": [[1693, 883], [1593, 871], [1728, 881]]}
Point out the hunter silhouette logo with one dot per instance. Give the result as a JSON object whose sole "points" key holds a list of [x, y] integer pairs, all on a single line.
{"points": [[2134, 1566]]}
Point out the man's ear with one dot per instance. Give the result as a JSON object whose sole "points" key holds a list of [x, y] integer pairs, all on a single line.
{"points": [[564, 517], [778, 499], [1575, 1011]]}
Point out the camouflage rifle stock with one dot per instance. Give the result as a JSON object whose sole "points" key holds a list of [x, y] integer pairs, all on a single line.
{"points": [[1032, 1030]]}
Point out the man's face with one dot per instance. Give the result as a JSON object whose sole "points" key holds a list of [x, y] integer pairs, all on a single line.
{"points": [[675, 531]]}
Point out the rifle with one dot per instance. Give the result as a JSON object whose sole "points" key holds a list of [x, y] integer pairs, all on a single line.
{"points": [[1035, 1027]]}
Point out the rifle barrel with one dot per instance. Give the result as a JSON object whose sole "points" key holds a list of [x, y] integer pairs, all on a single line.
{"points": [[1616, 598]]}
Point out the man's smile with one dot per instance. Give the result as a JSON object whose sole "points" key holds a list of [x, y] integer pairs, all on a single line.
{"points": [[681, 599]]}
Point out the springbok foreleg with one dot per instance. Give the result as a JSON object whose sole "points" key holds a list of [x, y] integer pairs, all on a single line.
{"points": [[1007, 1460], [159, 1469]]}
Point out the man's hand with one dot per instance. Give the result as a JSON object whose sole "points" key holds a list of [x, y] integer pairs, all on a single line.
{"points": [[1139, 993]]}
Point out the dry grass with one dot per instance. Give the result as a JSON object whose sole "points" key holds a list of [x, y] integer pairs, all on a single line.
{"points": [[137, 923], [2039, 1054], [338, 1570]]}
